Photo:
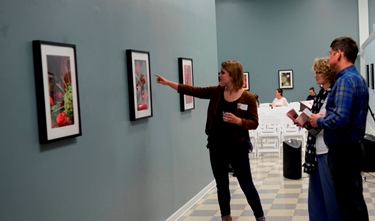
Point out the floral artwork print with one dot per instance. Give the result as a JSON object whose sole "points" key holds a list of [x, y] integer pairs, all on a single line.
{"points": [[188, 81], [285, 79], [141, 85], [60, 91], [185, 70], [138, 68], [246, 83], [56, 86]]}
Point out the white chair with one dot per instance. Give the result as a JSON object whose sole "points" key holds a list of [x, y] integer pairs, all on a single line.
{"points": [[279, 110], [263, 110], [268, 134], [264, 105], [295, 105], [291, 131], [253, 134]]}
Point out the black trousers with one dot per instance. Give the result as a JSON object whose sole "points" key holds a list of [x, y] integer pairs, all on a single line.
{"points": [[345, 162], [239, 160]]}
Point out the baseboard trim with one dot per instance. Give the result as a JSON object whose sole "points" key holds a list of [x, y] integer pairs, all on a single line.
{"points": [[192, 202]]}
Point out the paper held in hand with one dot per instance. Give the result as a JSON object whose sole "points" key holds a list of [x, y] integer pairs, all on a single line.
{"points": [[301, 119]]}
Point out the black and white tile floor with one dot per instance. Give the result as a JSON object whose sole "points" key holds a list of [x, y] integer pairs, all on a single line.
{"points": [[282, 199]]}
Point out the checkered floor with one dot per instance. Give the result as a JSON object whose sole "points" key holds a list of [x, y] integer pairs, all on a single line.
{"points": [[282, 199]]}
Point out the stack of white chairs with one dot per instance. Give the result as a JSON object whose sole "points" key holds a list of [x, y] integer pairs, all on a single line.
{"points": [[264, 105], [253, 134], [263, 108], [268, 134], [291, 131], [275, 128], [279, 110]]}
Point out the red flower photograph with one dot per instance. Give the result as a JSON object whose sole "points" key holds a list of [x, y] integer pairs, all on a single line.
{"points": [[56, 86], [60, 91], [140, 99]]}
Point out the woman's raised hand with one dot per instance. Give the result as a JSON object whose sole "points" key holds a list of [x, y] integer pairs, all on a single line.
{"points": [[161, 80]]}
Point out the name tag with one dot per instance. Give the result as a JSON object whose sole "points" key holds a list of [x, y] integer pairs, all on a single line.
{"points": [[242, 106]]}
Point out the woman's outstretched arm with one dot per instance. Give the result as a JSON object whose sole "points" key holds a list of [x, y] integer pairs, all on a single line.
{"points": [[164, 81]]}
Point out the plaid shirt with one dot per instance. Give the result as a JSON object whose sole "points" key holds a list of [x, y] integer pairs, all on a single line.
{"points": [[347, 106]]}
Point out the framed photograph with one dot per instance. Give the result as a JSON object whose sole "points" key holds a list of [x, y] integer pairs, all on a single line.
{"points": [[185, 69], [140, 100], [372, 76], [285, 78], [246, 81], [368, 75], [56, 83]]}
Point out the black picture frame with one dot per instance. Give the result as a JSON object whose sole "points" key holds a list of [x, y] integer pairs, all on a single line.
{"points": [[56, 84], [372, 76], [285, 78], [186, 76], [246, 81], [139, 84], [368, 75]]}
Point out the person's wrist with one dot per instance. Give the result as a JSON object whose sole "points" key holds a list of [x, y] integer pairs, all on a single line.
{"points": [[318, 121], [239, 121]]}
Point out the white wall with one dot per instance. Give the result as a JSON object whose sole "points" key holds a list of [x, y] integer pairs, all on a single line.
{"points": [[368, 54]]}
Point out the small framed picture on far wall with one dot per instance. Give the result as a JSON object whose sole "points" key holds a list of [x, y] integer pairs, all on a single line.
{"points": [[246, 81], [368, 75], [286, 78]]}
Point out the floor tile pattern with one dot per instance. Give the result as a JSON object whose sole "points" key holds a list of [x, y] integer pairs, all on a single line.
{"points": [[282, 199]]}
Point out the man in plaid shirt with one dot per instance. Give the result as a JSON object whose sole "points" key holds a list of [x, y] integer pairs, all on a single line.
{"points": [[344, 127]]}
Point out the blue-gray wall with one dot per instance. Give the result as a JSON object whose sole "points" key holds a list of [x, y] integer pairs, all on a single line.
{"points": [[117, 170], [144, 170], [272, 35]]}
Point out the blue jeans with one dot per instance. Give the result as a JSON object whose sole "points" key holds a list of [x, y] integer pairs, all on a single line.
{"points": [[239, 159], [322, 200]]}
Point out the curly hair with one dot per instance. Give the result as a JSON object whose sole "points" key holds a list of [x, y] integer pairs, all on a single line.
{"points": [[322, 65], [236, 72]]}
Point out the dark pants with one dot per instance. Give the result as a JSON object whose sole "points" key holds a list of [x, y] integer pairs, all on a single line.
{"points": [[239, 160], [345, 162]]}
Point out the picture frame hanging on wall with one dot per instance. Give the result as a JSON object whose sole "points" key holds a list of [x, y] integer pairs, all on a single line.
{"points": [[368, 75], [285, 78], [186, 76], [56, 83], [246, 81], [139, 84], [372, 76]]}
